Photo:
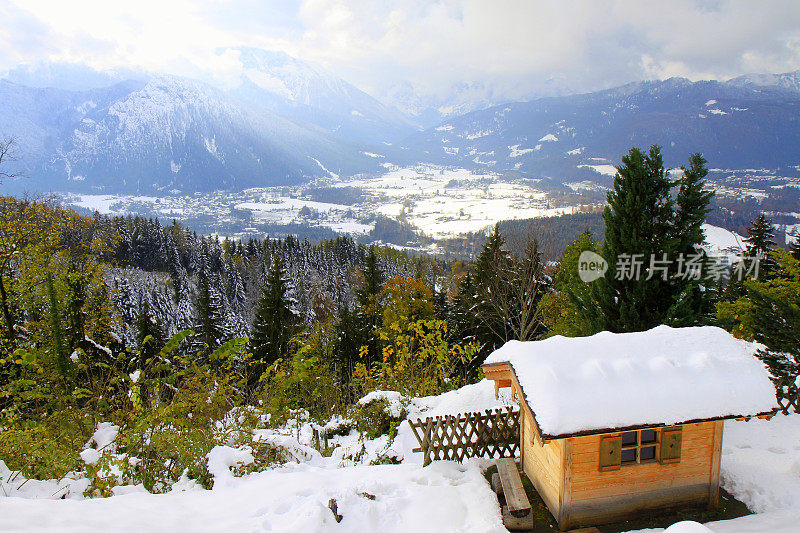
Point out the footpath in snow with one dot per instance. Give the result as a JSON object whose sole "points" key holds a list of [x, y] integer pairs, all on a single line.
{"points": [[760, 466]]}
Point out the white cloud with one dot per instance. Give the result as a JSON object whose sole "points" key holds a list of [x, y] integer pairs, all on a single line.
{"points": [[504, 48]]}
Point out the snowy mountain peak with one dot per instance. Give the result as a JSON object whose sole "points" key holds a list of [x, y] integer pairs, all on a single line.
{"points": [[305, 91], [290, 78], [787, 80]]}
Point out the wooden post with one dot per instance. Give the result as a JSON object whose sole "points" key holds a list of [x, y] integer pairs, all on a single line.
{"points": [[565, 488], [716, 456]]}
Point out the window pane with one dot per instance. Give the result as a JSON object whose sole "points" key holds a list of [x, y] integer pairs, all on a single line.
{"points": [[629, 438], [629, 456], [648, 435], [647, 453]]}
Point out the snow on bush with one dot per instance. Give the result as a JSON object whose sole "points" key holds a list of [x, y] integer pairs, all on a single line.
{"points": [[221, 459], [102, 441], [393, 398]]}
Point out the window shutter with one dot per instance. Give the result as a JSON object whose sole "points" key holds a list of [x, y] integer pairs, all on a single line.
{"points": [[610, 453], [671, 440]]}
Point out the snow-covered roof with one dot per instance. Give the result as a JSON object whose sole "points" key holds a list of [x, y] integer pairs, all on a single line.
{"points": [[619, 380]]}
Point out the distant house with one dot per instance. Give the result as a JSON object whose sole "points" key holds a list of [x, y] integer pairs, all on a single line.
{"points": [[616, 424]]}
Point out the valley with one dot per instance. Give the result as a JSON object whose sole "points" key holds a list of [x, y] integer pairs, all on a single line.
{"points": [[419, 206], [434, 202]]}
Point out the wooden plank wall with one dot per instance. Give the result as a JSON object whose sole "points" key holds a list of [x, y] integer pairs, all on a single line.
{"points": [[543, 465], [597, 496]]}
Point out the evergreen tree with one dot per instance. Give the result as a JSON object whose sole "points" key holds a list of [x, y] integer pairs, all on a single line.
{"points": [[374, 278], [351, 336], [490, 269], [694, 299], [561, 307], [209, 317], [149, 335], [370, 311], [646, 233], [794, 248], [463, 325], [759, 244], [275, 321], [492, 252], [769, 312], [508, 289]]}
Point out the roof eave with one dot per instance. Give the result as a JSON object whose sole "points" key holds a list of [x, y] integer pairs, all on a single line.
{"points": [[587, 432]]}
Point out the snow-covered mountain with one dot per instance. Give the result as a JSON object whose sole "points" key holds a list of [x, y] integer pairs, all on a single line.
{"points": [[581, 136], [166, 134], [69, 76], [787, 80], [300, 90], [431, 109]]}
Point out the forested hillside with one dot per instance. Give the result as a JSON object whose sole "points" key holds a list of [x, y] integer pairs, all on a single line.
{"points": [[185, 343]]}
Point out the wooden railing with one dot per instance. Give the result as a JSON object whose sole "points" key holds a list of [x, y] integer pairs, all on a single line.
{"points": [[456, 437]]}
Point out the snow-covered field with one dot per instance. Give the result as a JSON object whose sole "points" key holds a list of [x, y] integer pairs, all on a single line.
{"points": [[760, 466], [446, 202], [439, 201]]}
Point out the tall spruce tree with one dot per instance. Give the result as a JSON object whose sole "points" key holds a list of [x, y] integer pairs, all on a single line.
{"points": [[276, 321], [646, 233], [149, 334], [794, 248], [350, 338], [463, 325], [370, 311], [209, 319], [760, 242], [491, 268], [694, 299], [491, 253]]}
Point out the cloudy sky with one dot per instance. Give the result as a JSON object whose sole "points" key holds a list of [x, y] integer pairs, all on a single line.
{"points": [[515, 48]]}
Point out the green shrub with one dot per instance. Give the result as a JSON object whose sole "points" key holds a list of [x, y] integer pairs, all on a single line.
{"points": [[374, 419], [47, 448]]}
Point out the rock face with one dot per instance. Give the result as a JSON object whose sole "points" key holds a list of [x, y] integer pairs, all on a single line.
{"points": [[167, 133]]}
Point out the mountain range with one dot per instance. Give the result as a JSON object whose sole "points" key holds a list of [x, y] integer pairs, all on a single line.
{"points": [[744, 123], [281, 121]]}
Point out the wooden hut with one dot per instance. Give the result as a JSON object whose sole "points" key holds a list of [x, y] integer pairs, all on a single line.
{"points": [[616, 424]]}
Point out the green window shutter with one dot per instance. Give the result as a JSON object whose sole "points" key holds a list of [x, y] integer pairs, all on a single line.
{"points": [[671, 440], [610, 453]]}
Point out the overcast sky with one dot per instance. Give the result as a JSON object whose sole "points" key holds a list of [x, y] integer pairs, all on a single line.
{"points": [[513, 47]]}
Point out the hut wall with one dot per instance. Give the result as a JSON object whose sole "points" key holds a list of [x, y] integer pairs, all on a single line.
{"points": [[600, 497], [543, 464]]}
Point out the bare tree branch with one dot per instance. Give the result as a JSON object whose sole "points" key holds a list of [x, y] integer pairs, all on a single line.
{"points": [[509, 297], [8, 154]]}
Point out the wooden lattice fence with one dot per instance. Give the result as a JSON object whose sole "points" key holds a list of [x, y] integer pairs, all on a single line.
{"points": [[788, 397], [493, 433]]}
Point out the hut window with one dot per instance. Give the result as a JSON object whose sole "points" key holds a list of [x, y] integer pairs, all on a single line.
{"points": [[639, 446]]}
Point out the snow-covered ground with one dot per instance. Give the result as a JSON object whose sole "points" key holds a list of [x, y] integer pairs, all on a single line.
{"points": [[723, 242], [439, 201], [760, 466]]}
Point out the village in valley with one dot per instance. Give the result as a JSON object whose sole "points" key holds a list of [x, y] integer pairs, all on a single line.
{"points": [[520, 272]]}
